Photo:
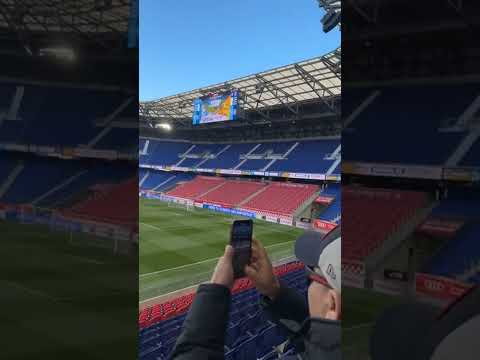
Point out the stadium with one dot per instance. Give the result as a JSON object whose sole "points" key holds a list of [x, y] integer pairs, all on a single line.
{"points": [[410, 160], [68, 143], [274, 157]]}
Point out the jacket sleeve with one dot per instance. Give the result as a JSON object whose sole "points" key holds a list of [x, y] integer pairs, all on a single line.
{"points": [[289, 309], [203, 336]]}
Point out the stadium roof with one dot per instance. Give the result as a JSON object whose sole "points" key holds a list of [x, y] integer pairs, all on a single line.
{"points": [[81, 16], [31, 21], [314, 80]]}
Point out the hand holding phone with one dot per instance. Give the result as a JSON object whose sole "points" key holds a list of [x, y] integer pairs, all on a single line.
{"points": [[241, 241]]}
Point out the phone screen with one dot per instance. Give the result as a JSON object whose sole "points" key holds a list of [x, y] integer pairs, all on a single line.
{"points": [[241, 240]]}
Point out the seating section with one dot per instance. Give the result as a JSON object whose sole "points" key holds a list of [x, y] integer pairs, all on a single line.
{"points": [[370, 215], [7, 164], [116, 204], [156, 179], [77, 189], [47, 115], [198, 186], [303, 156], [281, 198], [333, 212], [58, 183], [459, 257], [425, 111], [460, 204], [229, 158], [163, 152], [267, 198], [232, 193], [250, 335], [47, 174], [160, 181], [472, 157]]}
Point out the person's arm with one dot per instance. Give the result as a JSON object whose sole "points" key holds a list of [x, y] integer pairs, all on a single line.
{"points": [[203, 336], [282, 304]]}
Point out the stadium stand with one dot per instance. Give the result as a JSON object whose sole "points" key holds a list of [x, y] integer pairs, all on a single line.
{"points": [[333, 211], [112, 204], [197, 187], [22, 190], [281, 198], [265, 198], [232, 193], [458, 258], [306, 156], [460, 204], [436, 110], [41, 117], [161, 181], [250, 335], [370, 215]]}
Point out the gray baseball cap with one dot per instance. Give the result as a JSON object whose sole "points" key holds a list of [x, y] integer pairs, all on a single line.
{"points": [[322, 252]]}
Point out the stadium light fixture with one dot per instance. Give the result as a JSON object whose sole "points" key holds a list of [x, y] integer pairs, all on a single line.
{"points": [[164, 126], [332, 17], [61, 53]]}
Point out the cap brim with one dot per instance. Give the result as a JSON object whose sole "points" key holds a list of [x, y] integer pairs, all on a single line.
{"points": [[399, 330], [310, 245]]}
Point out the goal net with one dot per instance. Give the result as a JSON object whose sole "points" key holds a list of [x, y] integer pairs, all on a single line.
{"points": [[184, 205]]}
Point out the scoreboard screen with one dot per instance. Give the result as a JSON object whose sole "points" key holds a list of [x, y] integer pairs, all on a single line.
{"points": [[215, 108]]}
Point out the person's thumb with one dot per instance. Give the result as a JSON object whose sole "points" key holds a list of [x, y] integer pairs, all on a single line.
{"points": [[250, 272], [228, 255]]}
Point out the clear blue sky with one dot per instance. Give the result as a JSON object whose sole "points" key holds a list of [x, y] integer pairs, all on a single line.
{"points": [[186, 44]]}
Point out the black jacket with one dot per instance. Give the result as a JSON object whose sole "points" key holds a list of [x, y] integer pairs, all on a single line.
{"points": [[203, 336]]}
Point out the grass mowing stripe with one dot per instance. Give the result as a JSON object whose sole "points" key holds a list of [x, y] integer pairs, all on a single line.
{"points": [[180, 251], [203, 261]]}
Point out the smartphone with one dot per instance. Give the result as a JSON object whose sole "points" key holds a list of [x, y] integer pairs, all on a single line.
{"points": [[241, 240]]}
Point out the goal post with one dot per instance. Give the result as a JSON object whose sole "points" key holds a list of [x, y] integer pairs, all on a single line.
{"points": [[181, 204]]}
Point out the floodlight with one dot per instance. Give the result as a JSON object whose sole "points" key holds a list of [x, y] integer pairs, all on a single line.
{"points": [[62, 53], [330, 20], [164, 126]]}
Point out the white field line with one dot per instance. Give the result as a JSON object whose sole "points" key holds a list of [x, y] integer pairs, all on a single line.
{"points": [[152, 301], [203, 261]]}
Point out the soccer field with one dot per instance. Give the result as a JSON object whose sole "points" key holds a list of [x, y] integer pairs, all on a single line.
{"points": [[361, 308], [62, 301], [179, 248]]}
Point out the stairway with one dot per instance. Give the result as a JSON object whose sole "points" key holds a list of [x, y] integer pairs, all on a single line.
{"points": [[11, 179], [58, 187], [306, 204], [360, 108], [252, 196], [164, 182], [396, 239], [249, 153], [464, 147], [210, 190], [143, 179]]}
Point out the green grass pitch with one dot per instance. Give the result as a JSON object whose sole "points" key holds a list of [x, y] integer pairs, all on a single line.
{"points": [[179, 248], [59, 301]]}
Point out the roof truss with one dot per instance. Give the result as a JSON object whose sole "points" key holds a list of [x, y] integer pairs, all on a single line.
{"points": [[317, 79]]}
